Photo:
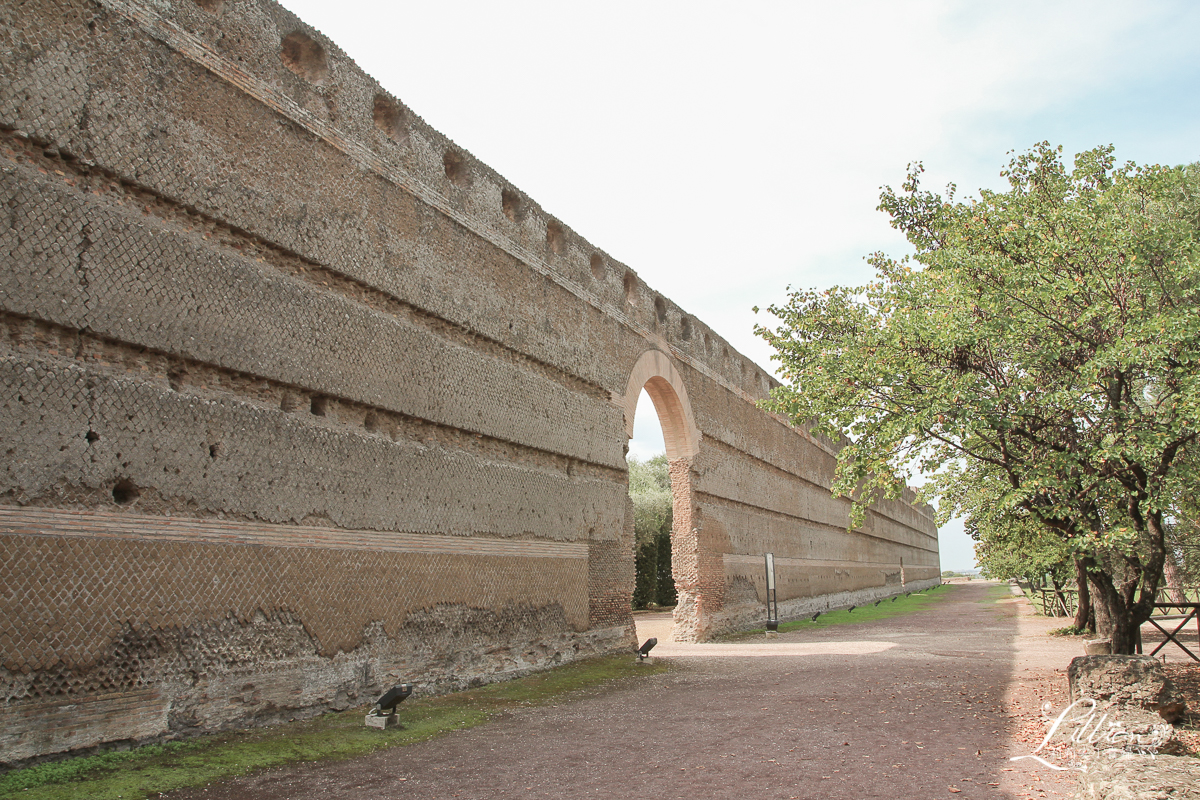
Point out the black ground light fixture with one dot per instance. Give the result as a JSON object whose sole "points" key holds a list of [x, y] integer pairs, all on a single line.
{"points": [[383, 713], [392, 698], [646, 647], [772, 602]]}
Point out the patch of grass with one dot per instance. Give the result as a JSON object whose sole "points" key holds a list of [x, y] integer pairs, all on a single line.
{"points": [[997, 592], [1070, 630], [145, 771], [917, 601]]}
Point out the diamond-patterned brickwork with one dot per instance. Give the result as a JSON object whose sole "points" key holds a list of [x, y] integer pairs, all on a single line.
{"points": [[67, 600]]}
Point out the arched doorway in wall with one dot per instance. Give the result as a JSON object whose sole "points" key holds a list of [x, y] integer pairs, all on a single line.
{"points": [[650, 493], [655, 377]]}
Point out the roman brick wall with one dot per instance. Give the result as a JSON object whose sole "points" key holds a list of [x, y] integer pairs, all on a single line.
{"points": [[299, 399]]}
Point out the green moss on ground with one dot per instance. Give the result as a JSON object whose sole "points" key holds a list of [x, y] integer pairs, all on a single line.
{"points": [[146, 771], [910, 604]]}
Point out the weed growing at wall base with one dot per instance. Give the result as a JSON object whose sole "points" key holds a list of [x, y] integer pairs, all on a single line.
{"points": [[145, 771]]}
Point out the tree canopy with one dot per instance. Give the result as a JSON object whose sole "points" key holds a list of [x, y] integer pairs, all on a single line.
{"points": [[1036, 356], [650, 491]]}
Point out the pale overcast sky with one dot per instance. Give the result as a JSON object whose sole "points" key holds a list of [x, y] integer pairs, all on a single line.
{"points": [[725, 151]]}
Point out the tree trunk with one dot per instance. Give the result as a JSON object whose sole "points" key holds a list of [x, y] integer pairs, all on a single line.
{"points": [[1084, 619], [1173, 577], [1123, 584], [1112, 615]]}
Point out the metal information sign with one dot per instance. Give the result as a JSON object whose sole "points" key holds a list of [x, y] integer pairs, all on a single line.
{"points": [[772, 605]]}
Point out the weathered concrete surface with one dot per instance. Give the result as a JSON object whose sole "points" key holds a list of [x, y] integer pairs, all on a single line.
{"points": [[1137, 681], [1134, 777], [297, 398]]}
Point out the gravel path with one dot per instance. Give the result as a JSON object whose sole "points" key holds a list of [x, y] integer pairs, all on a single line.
{"points": [[932, 704]]}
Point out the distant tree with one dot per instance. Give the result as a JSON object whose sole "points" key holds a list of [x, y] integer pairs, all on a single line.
{"points": [[650, 491], [1182, 566], [1045, 338]]}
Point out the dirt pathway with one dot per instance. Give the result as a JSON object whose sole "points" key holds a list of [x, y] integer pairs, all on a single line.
{"points": [[928, 705]]}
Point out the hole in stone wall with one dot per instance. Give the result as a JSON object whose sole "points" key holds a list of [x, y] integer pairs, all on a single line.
{"points": [[630, 289], [597, 266], [304, 56], [660, 310], [456, 169], [389, 117], [371, 421], [685, 327], [289, 402], [125, 492], [319, 405], [212, 6], [92, 436], [510, 203], [556, 237], [216, 450], [177, 379]]}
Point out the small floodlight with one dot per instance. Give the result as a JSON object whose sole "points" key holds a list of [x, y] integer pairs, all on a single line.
{"points": [[814, 617], [645, 649], [851, 609], [392, 698], [383, 713], [895, 597], [877, 602]]}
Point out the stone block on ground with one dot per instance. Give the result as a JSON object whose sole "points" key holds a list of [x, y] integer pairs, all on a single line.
{"points": [[382, 721], [1126, 681]]}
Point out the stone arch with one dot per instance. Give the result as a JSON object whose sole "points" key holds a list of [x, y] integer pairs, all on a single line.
{"points": [[698, 579], [655, 372]]}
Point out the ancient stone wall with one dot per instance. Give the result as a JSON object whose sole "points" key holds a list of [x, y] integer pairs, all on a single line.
{"points": [[299, 399]]}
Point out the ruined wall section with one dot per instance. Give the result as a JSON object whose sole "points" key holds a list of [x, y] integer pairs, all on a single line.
{"points": [[278, 429], [243, 287], [763, 486], [299, 398]]}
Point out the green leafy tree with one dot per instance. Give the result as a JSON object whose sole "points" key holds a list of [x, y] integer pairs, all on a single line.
{"points": [[1011, 546], [1010, 543], [1182, 567], [650, 491], [1044, 339]]}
